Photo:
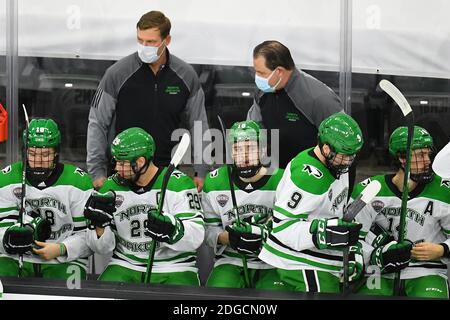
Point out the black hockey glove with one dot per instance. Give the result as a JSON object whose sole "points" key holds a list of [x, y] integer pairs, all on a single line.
{"points": [[334, 233], [41, 229], [99, 209], [392, 257], [247, 238], [164, 227], [17, 239]]}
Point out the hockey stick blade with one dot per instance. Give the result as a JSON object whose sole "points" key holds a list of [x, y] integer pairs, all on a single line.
{"points": [[396, 95], [364, 198], [181, 150], [27, 119]]}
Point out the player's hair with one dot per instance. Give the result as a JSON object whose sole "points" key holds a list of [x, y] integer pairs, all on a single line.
{"points": [[275, 53], [155, 19]]}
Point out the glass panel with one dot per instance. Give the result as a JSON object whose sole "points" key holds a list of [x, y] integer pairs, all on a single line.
{"points": [[410, 48], [3, 78]]}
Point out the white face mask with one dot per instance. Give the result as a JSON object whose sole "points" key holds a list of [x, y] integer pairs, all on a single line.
{"points": [[149, 54]]}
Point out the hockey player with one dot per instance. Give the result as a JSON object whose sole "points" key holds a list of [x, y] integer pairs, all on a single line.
{"points": [[308, 232], [255, 193], [52, 239], [126, 222], [423, 265]]}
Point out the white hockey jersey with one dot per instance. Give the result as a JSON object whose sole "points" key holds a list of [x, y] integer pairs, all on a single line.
{"points": [[252, 199], [306, 192], [427, 219], [60, 200], [127, 237]]}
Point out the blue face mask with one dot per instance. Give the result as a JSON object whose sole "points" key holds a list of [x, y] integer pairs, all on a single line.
{"points": [[263, 83]]}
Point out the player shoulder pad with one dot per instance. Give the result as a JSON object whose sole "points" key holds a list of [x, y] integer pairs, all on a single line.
{"points": [[309, 174], [217, 180], [11, 174], [179, 181], [76, 177], [384, 191]]}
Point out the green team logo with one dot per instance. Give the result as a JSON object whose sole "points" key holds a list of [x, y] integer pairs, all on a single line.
{"points": [[172, 90], [312, 171], [292, 116]]}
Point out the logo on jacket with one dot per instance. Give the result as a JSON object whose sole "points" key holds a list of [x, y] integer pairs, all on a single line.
{"points": [[312, 171], [172, 90], [18, 193], [222, 199], [119, 200], [377, 205]]}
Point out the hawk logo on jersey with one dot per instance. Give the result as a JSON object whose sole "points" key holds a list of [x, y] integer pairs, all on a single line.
{"points": [[119, 200], [445, 183], [18, 193], [214, 173], [222, 199], [377, 205], [312, 171], [366, 182], [178, 174], [6, 170]]}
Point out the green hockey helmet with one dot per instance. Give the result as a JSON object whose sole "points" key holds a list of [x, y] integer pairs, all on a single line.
{"points": [[245, 131], [246, 159], [43, 133], [342, 133], [133, 143], [399, 138], [129, 145], [421, 171]]}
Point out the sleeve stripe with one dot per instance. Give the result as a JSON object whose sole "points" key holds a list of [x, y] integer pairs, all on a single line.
{"points": [[213, 220], [8, 209], [6, 224], [447, 232], [284, 226], [289, 214], [79, 219]]}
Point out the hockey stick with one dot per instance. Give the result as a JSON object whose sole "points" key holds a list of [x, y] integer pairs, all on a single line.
{"points": [[369, 192], [176, 159], [248, 282], [24, 180], [406, 109]]}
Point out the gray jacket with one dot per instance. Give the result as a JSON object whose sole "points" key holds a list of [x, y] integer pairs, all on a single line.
{"points": [[125, 99]]}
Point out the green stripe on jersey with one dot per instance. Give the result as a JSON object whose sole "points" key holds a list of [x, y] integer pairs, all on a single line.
{"points": [[8, 209], [187, 215], [213, 220], [145, 260], [289, 214], [284, 226], [6, 224]]}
